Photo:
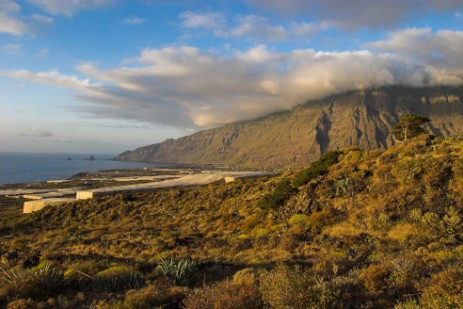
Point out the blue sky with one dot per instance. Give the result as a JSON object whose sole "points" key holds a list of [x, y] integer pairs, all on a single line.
{"points": [[104, 76]]}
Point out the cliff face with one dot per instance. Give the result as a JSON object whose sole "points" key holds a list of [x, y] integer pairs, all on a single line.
{"points": [[300, 136]]}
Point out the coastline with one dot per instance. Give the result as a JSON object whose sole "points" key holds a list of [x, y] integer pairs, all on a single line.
{"points": [[36, 195], [20, 168]]}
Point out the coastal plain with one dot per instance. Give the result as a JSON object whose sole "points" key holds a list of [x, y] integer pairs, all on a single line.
{"points": [[36, 196]]}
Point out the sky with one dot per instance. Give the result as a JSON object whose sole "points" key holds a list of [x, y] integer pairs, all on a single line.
{"points": [[105, 76]]}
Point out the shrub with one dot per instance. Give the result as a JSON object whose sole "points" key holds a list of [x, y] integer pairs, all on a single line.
{"points": [[21, 304], [161, 293], [375, 278], [282, 192], [118, 278], [319, 220], [445, 289], [284, 287], [317, 168], [268, 201], [299, 219], [246, 276], [107, 304], [89, 267], [411, 233], [76, 279], [224, 295], [408, 304]]}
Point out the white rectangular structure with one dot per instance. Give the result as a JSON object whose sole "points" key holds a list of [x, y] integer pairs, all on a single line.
{"points": [[32, 206], [84, 195]]}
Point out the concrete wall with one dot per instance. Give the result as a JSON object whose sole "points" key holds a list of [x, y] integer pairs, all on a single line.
{"points": [[32, 197], [187, 180], [84, 195], [229, 179], [32, 206]]}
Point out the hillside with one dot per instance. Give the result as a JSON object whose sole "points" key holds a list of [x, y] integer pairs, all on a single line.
{"points": [[357, 229], [300, 136]]}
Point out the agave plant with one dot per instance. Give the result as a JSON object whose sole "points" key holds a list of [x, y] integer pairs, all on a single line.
{"points": [[36, 284], [181, 271], [9, 276]]}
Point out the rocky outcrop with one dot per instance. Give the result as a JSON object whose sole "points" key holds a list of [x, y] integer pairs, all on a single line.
{"points": [[300, 136]]}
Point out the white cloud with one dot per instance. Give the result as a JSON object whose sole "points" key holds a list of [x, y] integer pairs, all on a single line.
{"points": [[42, 19], [211, 20], [404, 40], [12, 49], [36, 132], [250, 27], [185, 87], [133, 20], [69, 7], [9, 6], [43, 52], [9, 22], [442, 50], [52, 78], [257, 54], [308, 29], [12, 25]]}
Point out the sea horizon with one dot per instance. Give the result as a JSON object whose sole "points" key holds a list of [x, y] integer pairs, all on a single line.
{"points": [[24, 167]]}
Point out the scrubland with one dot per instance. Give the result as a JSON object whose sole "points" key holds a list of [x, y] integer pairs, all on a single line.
{"points": [[356, 229]]}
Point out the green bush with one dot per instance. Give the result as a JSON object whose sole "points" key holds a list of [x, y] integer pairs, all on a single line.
{"points": [[118, 278], [282, 192], [161, 293], [317, 168], [299, 219]]}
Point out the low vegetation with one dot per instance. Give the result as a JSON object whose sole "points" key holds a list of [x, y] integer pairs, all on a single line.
{"points": [[357, 229], [317, 168]]}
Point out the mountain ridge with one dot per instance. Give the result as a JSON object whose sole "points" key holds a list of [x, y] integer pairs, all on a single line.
{"points": [[297, 137]]}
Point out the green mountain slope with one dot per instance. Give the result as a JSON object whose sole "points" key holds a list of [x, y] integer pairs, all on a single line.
{"points": [[300, 136], [377, 229]]}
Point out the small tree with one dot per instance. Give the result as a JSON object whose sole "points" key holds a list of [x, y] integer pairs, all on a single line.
{"points": [[409, 126]]}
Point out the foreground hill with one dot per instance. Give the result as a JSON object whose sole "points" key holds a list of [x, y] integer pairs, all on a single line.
{"points": [[358, 229], [300, 136]]}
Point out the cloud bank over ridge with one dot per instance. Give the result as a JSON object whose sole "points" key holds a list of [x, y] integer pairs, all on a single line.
{"points": [[186, 87]]}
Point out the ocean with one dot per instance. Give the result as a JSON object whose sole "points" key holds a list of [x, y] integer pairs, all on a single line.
{"points": [[31, 167]]}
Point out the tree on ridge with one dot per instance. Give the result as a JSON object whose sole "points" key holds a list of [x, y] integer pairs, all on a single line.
{"points": [[409, 126]]}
